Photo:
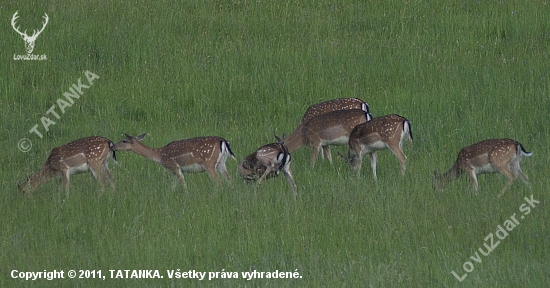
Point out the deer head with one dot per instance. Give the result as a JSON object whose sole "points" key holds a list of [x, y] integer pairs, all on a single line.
{"points": [[29, 40]]}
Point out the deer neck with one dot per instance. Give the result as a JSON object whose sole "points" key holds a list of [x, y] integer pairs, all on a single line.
{"points": [[148, 152], [40, 177], [295, 140], [452, 174]]}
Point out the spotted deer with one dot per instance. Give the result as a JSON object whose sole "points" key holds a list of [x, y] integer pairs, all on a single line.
{"points": [[334, 105], [79, 156], [190, 155], [329, 106], [267, 162], [332, 128], [377, 134], [488, 156]]}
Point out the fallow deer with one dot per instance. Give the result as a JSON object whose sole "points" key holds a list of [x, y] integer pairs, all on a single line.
{"points": [[334, 105], [329, 106], [268, 161], [488, 156], [190, 155], [377, 134], [79, 156], [332, 128]]}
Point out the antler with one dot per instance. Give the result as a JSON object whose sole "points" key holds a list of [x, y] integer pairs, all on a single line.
{"points": [[24, 34], [35, 32]]}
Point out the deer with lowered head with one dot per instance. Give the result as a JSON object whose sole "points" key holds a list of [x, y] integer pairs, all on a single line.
{"points": [[79, 156], [190, 155], [332, 128], [329, 106], [266, 162], [488, 156], [377, 134]]}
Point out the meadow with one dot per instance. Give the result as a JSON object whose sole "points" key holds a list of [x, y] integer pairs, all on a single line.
{"points": [[460, 71]]}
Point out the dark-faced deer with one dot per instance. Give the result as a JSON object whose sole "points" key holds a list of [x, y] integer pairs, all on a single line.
{"points": [[488, 156], [267, 162], [332, 128], [191, 155], [377, 134], [79, 156]]}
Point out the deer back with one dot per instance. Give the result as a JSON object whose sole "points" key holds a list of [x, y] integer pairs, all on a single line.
{"points": [[334, 105], [334, 124], [385, 128], [199, 150], [81, 151]]}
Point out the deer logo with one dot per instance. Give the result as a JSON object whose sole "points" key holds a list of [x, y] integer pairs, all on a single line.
{"points": [[29, 40]]}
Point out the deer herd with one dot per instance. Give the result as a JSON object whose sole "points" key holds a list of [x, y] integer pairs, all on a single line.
{"points": [[345, 121]]}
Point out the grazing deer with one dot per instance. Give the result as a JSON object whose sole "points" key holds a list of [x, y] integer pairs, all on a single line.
{"points": [[332, 128], [377, 134], [191, 155], [329, 106], [29, 40], [268, 161], [334, 105], [79, 156], [488, 156]]}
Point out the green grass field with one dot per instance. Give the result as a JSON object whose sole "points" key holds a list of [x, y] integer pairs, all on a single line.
{"points": [[460, 71]]}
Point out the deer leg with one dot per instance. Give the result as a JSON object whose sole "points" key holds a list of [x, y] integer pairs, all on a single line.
{"points": [[179, 174], [65, 182], [373, 164], [505, 188], [105, 170], [514, 165], [212, 173], [97, 173], [267, 171], [355, 160], [509, 174], [326, 150], [473, 178], [398, 152], [222, 169], [290, 180], [315, 149], [524, 178], [175, 182]]}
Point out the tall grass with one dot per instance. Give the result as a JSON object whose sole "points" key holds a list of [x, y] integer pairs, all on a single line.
{"points": [[460, 71]]}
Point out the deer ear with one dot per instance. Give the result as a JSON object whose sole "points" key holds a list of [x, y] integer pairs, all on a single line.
{"points": [[140, 137], [278, 139]]}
